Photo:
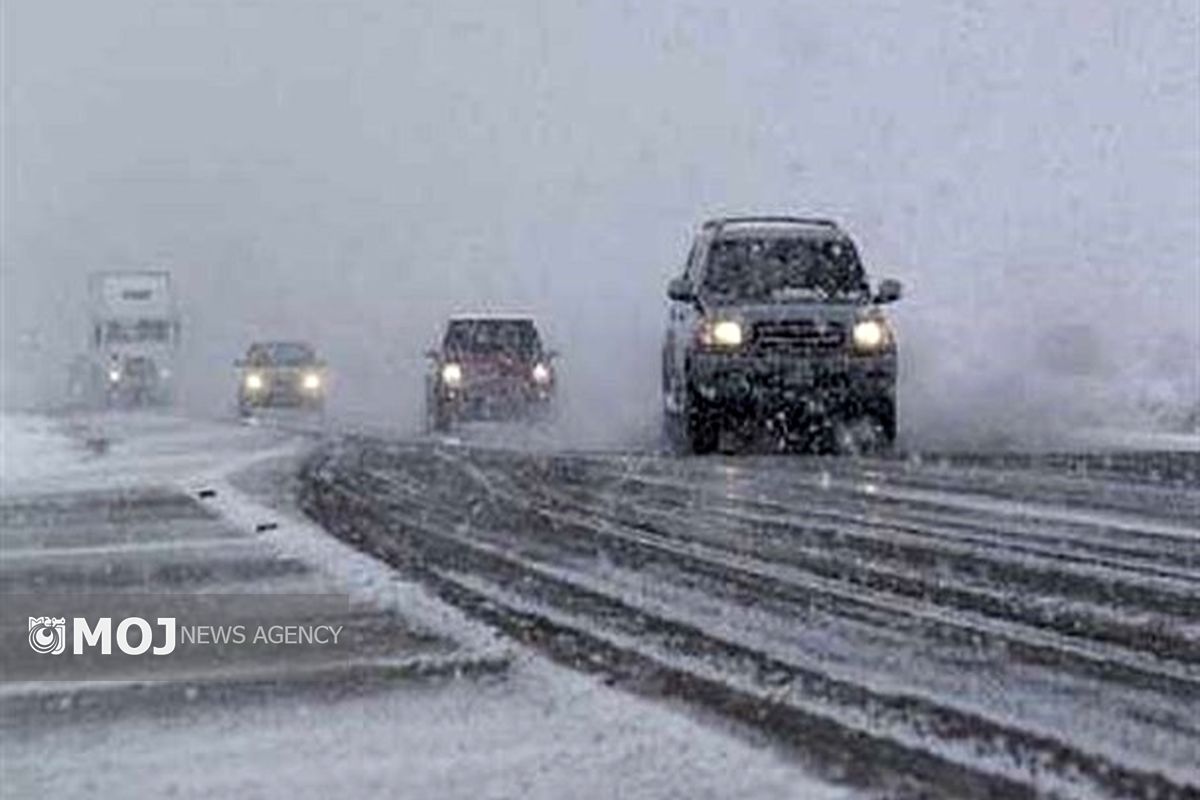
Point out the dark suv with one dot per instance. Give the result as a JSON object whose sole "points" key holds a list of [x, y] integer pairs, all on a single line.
{"points": [[489, 367], [773, 326]]}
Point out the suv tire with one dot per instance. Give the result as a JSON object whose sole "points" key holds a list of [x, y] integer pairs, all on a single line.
{"points": [[437, 418], [886, 415], [702, 430]]}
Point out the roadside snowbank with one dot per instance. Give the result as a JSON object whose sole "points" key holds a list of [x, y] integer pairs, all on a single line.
{"points": [[120, 450], [33, 447]]}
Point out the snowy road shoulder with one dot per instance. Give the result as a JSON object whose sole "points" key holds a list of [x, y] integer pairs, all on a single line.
{"points": [[34, 447], [133, 539], [292, 535]]}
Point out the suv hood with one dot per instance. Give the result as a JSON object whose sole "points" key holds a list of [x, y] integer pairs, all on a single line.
{"points": [[846, 312]]}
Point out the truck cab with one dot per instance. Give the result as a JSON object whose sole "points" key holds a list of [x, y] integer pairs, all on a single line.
{"points": [[133, 341]]}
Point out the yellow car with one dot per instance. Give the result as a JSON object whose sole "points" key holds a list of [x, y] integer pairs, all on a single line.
{"points": [[281, 375]]}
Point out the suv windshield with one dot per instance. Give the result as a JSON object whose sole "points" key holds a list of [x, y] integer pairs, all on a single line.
{"points": [[490, 337], [778, 269]]}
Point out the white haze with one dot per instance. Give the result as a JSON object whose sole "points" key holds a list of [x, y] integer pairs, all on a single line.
{"points": [[352, 172]]}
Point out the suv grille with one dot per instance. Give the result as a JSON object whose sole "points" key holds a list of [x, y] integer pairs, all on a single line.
{"points": [[800, 335]]}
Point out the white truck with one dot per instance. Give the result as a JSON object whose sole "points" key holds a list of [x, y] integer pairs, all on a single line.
{"points": [[133, 341]]}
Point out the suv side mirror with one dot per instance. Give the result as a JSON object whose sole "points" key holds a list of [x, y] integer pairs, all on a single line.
{"points": [[433, 354], [551, 355], [890, 291], [680, 289]]}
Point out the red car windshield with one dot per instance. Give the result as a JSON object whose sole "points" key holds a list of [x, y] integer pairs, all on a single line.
{"points": [[517, 338]]}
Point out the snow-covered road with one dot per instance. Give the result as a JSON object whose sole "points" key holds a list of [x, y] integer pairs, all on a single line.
{"points": [[972, 625], [150, 512]]}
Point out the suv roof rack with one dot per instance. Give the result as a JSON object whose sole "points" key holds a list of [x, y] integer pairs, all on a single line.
{"points": [[817, 221], [490, 316]]}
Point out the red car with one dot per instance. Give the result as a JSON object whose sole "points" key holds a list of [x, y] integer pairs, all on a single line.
{"points": [[489, 367]]}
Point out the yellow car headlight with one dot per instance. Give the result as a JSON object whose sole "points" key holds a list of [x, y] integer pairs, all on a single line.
{"points": [[722, 333], [452, 374], [254, 381], [871, 335]]}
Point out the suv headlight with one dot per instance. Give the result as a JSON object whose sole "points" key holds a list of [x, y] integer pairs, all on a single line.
{"points": [[254, 381], [872, 335], [452, 374], [721, 333], [312, 381], [541, 373]]}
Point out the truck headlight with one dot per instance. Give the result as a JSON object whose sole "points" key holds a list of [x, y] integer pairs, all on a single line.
{"points": [[721, 333], [114, 376], [312, 381], [871, 335], [452, 374], [254, 382], [541, 373]]}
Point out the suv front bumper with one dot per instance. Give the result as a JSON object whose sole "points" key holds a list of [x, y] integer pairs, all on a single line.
{"points": [[756, 384], [495, 399]]}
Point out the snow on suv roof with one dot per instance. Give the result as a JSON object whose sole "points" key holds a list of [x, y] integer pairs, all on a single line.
{"points": [[733, 227], [816, 222], [772, 230], [497, 317]]}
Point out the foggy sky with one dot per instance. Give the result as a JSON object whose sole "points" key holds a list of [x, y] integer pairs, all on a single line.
{"points": [[354, 171]]}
